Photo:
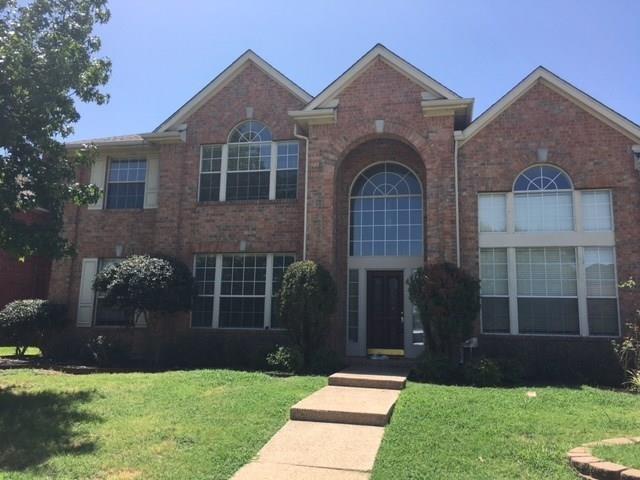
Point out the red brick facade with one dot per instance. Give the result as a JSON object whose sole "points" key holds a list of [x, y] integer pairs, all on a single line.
{"points": [[593, 153]]}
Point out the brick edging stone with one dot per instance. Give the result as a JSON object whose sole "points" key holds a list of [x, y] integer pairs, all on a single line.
{"points": [[594, 468]]}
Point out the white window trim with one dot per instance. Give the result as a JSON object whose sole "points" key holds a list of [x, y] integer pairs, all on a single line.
{"points": [[217, 289], [578, 239], [224, 170]]}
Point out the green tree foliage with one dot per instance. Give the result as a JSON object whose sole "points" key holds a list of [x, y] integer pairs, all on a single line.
{"points": [[27, 323], [448, 299], [627, 349], [307, 300], [47, 62]]}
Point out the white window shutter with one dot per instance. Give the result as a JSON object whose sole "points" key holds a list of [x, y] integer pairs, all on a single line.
{"points": [[98, 176], [87, 294], [152, 182]]}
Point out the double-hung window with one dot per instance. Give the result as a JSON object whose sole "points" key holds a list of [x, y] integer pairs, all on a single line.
{"points": [[250, 166], [125, 183], [238, 290], [547, 258]]}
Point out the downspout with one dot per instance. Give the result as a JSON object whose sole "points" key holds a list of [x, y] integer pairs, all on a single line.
{"points": [[457, 137], [306, 189]]}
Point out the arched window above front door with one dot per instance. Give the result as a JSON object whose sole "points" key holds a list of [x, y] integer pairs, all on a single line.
{"points": [[386, 212]]}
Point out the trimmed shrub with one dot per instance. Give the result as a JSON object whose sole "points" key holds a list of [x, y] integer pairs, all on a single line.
{"points": [[307, 300], [152, 286], [31, 322], [448, 299], [286, 359]]}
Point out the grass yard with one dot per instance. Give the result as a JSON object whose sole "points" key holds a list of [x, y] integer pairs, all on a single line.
{"points": [[10, 351], [490, 433], [628, 455], [174, 425]]}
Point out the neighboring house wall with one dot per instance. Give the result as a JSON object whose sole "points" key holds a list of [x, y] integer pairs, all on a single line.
{"points": [[24, 279]]}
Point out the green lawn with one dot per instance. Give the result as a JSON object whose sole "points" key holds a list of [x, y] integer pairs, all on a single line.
{"points": [[628, 455], [9, 351], [176, 425], [489, 433]]}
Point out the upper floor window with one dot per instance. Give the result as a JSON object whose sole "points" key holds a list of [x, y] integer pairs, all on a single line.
{"points": [[386, 212], [125, 183], [244, 168], [543, 200]]}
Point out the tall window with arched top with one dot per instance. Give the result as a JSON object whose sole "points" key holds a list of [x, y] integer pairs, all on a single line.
{"points": [[386, 212], [543, 200], [250, 166], [547, 257]]}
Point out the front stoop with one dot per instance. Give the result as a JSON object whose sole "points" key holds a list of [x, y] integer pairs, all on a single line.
{"points": [[334, 433], [351, 405], [363, 377]]}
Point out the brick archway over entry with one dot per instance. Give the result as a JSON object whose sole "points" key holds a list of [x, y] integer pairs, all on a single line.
{"points": [[369, 152]]}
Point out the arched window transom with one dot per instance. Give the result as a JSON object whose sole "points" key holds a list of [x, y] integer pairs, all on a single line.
{"points": [[386, 212], [250, 131], [542, 178]]}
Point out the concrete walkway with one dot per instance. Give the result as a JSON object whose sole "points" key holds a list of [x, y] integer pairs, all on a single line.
{"points": [[335, 432]]}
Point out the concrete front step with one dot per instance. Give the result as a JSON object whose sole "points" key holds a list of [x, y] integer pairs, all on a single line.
{"points": [[352, 405], [370, 377]]}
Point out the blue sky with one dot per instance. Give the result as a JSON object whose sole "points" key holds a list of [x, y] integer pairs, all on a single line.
{"points": [[164, 51]]}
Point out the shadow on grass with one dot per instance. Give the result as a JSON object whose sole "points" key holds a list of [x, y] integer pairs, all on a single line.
{"points": [[35, 426]]}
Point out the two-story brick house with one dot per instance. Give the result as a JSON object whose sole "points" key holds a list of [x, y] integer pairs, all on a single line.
{"points": [[381, 172]]}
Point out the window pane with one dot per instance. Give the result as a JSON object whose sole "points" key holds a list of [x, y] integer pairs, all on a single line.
{"points": [[495, 314], [596, 208], [600, 272], [352, 320], [544, 212], [542, 178], [548, 315], [202, 312], [603, 316], [546, 272], [241, 312], [288, 155], [211, 158], [493, 271], [492, 212], [242, 291], [286, 183], [248, 186], [125, 186], [209, 187]]}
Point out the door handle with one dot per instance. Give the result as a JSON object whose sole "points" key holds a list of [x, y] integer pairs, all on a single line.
{"points": [[401, 317]]}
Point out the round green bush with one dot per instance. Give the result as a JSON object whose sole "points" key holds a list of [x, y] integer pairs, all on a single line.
{"points": [[307, 300], [31, 322]]}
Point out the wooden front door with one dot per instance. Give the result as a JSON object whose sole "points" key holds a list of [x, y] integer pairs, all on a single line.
{"points": [[385, 310]]}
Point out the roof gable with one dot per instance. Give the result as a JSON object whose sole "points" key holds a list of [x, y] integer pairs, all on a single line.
{"points": [[223, 79], [564, 88], [433, 89]]}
